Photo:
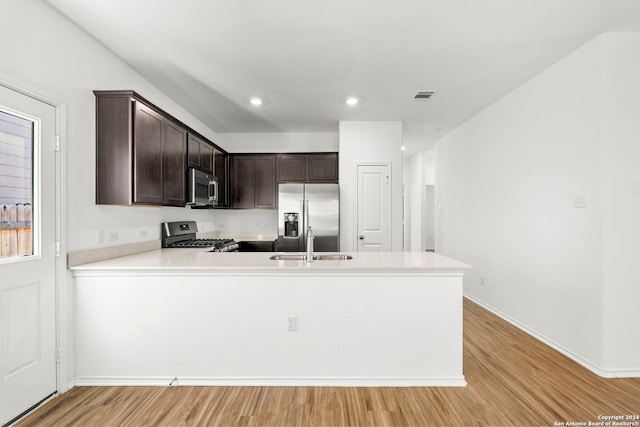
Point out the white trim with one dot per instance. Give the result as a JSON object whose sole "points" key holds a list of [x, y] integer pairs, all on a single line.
{"points": [[31, 93], [35, 408], [62, 368], [274, 381], [64, 320], [610, 373]]}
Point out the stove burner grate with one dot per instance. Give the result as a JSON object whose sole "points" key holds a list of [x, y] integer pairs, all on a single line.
{"points": [[217, 245]]}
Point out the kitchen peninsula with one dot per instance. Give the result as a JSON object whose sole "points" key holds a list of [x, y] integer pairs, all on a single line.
{"points": [[191, 317]]}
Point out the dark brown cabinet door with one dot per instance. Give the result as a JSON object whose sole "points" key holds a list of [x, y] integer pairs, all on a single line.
{"points": [[308, 167], [193, 152], [147, 156], [292, 167], [253, 182], [173, 170], [322, 167], [200, 154], [242, 179], [206, 158], [114, 172], [265, 182]]}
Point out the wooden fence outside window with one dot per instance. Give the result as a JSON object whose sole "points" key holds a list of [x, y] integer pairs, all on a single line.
{"points": [[15, 230]]}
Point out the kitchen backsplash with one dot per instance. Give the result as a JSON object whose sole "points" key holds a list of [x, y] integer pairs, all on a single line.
{"points": [[246, 221], [230, 223]]}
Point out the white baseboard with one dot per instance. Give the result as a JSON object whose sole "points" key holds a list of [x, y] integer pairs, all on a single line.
{"points": [[272, 381], [556, 346]]}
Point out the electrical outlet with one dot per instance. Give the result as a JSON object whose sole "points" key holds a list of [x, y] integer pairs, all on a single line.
{"points": [[292, 323], [482, 280], [143, 233], [580, 201], [114, 236], [262, 226]]}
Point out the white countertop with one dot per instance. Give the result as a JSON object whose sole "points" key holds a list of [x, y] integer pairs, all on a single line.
{"points": [[202, 260]]}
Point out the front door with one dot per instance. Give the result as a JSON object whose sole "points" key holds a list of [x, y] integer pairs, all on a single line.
{"points": [[27, 253], [374, 208]]}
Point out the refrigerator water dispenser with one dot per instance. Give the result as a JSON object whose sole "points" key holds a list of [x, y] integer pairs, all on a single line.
{"points": [[291, 224]]}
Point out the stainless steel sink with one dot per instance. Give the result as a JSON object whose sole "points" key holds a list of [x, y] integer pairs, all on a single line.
{"points": [[332, 257], [291, 257], [303, 257]]}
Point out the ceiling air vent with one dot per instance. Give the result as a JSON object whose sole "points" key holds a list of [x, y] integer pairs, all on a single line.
{"points": [[424, 94]]}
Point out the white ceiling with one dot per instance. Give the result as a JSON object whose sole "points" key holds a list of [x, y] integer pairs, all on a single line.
{"points": [[304, 57]]}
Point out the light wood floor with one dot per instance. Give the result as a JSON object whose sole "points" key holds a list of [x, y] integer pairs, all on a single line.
{"points": [[513, 380]]}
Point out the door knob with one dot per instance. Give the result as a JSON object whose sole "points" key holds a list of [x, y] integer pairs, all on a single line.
{"points": [[361, 237]]}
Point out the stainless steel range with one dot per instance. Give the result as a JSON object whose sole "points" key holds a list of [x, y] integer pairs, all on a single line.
{"points": [[183, 235]]}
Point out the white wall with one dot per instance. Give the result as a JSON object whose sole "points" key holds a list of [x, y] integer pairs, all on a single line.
{"points": [[621, 201], [429, 212], [419, 172], [241, 222], [507, 180], [414, 194], [52, 57], [366, 142], [429, 160], [275, 142]]}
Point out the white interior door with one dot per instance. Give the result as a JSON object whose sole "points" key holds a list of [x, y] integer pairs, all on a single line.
{"points": [[374, 208], [27, 253]]}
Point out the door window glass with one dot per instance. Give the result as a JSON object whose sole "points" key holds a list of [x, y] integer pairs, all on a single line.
{"points": [[16, 186]]}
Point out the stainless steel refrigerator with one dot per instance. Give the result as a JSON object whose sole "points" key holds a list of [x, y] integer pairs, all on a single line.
{"points": [[301, 205]]}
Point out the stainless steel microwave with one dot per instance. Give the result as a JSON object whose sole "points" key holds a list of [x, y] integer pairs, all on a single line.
{"points": [[203, 189]]}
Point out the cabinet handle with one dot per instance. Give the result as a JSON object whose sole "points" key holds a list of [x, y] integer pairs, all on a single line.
{"points": [[361, 237]]}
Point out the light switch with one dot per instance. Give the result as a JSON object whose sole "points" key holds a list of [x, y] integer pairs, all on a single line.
{"points": [[580, 201]]}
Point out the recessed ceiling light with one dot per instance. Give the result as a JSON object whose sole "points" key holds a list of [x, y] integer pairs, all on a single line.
{"points": [[403, 148], [352, 100], [256, 101]]}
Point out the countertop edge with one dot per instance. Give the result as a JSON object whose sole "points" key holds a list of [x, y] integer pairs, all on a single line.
{"points": [[163, 271], [199, 262]]}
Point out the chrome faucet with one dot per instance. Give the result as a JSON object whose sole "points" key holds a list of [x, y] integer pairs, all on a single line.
{"points": [[309, 244]]}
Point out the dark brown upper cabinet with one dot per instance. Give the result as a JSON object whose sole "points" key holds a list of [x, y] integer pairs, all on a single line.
{"points": [[322, 167], [174, 171], [253, 181], [309, 167], [140, 152], [292, 167], [200, 154]]}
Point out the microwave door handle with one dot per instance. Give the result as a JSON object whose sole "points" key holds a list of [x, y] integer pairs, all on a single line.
{"points": [[192, 187], [213, 195]]}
